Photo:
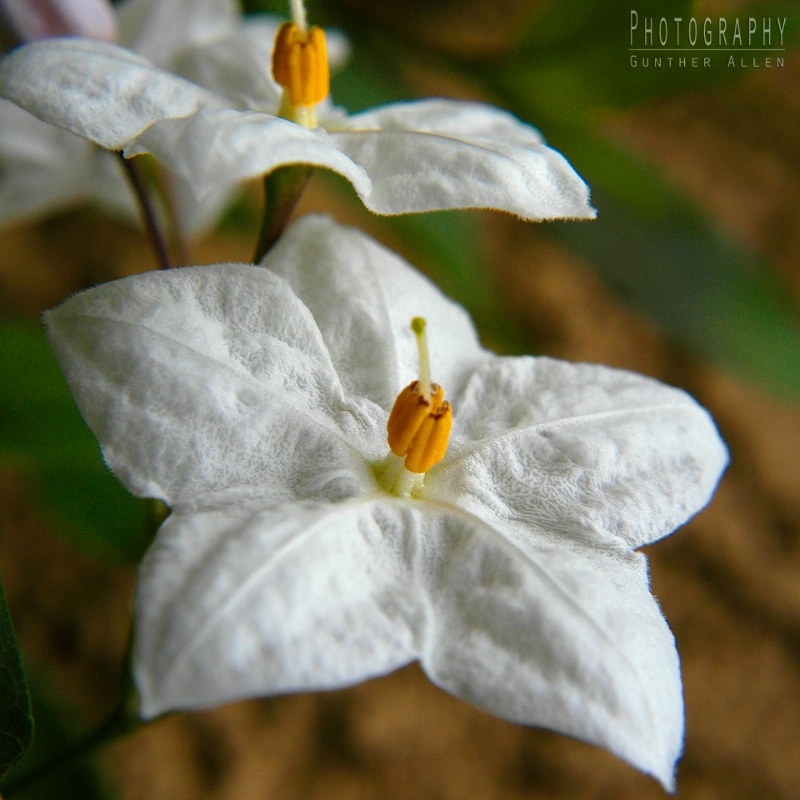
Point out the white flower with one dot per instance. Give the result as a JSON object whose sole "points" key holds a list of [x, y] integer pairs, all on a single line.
{"points": [[406, 157], [43, 167], [255, 401]]}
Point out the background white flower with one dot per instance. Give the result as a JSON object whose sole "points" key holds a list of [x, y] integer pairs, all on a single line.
{"points": [[43, 167], [254, 401], [42, 18], [405, 157]]}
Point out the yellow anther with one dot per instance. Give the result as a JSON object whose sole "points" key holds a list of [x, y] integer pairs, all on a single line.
{"points": [[409, 412], [430, 443], [300, 64], [420, 422]]}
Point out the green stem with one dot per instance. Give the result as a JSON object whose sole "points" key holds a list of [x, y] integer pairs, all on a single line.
{"points": [[282, 190], [148, 213]]}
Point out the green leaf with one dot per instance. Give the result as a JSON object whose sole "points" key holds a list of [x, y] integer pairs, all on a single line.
{"points": [[47, 772], [16, 723], [43, 437]]}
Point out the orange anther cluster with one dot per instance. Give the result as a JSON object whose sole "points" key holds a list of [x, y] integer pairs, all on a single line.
{"points": [[300, 64], [419, 429]]}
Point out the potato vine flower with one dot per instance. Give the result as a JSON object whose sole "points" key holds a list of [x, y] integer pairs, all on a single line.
{"points": [[404, 157], [43, 167], [255, 402]]}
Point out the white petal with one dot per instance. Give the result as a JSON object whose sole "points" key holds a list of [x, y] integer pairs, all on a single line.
{"points": [[160, 31], [44, 168], [213, 380], [439, 154], [236, 67], [363, 298], [234, 604], [555, 450], [41, 167], [567, 640], [210, 148], [94, 89], [239, 604]]}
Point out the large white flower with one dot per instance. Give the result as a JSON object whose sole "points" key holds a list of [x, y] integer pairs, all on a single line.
{"points": [[254, 401], [43, 167], [406, 157]]}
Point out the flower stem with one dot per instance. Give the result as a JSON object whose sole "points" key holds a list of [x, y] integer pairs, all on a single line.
{"points": [[282, 190], [149, 219]]}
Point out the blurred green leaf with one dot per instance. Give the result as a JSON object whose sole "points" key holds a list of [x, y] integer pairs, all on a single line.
{"points": [[43, 436], [697, 286], [16, 723], [56, 733]]}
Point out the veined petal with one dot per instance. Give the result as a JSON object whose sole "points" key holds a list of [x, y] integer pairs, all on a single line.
{"points": [[449, 118], [555, 450], [213, 379], [235, 604], [94, 89], [439, 154], [363, 298], [564, 639], [213, 147]]}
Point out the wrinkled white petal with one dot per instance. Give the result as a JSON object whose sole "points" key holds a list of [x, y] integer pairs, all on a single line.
{"points": [[363, 298], [393, 171], [213, 379], [437, 154], [234, 604], [39, 19], [572, 641], [551, 449], [213, 147], [113, 97]]}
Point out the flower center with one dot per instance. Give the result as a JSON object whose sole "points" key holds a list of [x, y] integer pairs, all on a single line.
{"points": [[300, 66], [419, 426]]}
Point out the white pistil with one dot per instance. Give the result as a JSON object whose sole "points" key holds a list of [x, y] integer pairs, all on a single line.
{"points": [[418, 326], [299, 15]]}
